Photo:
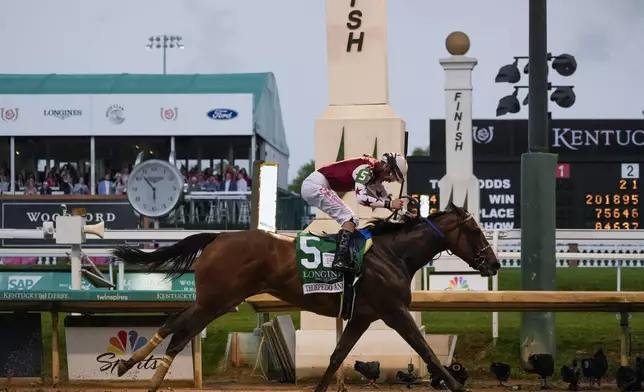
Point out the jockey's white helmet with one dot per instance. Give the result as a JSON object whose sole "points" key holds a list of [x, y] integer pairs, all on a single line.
{"points": [[397, 163]]}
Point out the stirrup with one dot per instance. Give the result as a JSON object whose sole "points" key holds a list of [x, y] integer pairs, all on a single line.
{"points": [[342, 265]]}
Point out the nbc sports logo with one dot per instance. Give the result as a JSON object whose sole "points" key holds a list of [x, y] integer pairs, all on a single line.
{"points": [[126, 342], [458, 283]]}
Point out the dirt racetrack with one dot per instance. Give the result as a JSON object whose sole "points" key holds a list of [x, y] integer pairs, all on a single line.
{"points": [[485, 386], [303, 388]]}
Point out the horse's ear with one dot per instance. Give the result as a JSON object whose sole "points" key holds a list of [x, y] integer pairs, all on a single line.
{"points": [[451, 206]]}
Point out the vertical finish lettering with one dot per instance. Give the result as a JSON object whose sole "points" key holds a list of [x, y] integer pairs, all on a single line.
{"points": [[458, 117], [354, 23]]}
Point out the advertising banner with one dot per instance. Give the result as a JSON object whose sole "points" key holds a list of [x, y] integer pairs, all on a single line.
{"points": [[52, 281], [21, 351], [571, 139], [40, 281], [95, 347], [126, 115], [30, 214], [158, 282]]}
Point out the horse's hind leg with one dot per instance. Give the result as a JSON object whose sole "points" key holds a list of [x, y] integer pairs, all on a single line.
{"points": [[171, 325], [194, 323], [400, 320], [354, 330]]}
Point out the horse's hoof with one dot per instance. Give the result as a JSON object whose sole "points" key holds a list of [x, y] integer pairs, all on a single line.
{"points": [[122, 368]]}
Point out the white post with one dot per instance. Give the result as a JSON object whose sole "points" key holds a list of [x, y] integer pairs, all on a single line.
{"points": [[92, 165], [76, 267], [12, 164], [120, 283], [251, 156], [495, 287], [459, 184]]}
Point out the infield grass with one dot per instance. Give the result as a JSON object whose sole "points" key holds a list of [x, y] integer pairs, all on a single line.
{"points": [[578, 334]]}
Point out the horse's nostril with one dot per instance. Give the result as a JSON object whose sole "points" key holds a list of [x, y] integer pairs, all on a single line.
{"points": [[496, 265]]}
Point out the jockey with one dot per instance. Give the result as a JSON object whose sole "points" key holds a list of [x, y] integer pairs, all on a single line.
{"points": [[364, 176]]}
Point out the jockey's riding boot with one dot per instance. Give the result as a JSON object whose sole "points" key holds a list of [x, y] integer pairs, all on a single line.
{"points": [[343, 260]]}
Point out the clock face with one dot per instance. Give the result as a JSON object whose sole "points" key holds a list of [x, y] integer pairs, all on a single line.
{"points": [[154, 188]]}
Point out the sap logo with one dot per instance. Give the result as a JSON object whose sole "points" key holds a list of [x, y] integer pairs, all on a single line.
{"points": [[222, 114], [17, 282]]}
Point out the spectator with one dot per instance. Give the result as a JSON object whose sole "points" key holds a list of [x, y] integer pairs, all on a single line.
{"points": [[241, 184], [106, 186], [229, 185], [194, 186], [212, 185], [67, 184], [30, 188], [45, 190], [245, 173], [125, 176], [119, 185], [80, 188], [5, 185]]}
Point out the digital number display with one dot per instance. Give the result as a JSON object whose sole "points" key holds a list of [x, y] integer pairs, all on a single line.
{"points": [[589, 195], [619, 210]]}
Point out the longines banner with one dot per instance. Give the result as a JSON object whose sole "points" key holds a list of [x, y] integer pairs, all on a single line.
{"points": [[126, 115], [31, 213], [605, 139], [21, 351], [97, 344]]}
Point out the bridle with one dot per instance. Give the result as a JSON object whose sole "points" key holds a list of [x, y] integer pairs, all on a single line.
{"points": [[479, 255]]}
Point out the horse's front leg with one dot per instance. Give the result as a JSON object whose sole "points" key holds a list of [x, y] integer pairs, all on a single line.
{"points": [[355, 328], [399, 319]]}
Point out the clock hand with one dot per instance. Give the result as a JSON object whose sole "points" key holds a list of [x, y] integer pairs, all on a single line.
{"points": [[149, 183]]}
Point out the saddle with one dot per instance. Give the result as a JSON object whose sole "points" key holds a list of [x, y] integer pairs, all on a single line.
{"points": [[360, 240]]}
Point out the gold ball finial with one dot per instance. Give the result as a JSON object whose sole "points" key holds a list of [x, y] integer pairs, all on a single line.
{"points": [[457, 43]]}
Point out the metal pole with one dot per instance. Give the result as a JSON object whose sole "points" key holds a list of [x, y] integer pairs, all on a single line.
{"points": [[538, 77], [165, 49], [12, 164], [92, 165], [538, 202]]}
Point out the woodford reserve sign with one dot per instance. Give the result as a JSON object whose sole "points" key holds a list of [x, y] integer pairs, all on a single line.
{"points": [[29, 212]]}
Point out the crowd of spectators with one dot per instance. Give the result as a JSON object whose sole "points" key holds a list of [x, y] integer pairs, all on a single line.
{"points": [[65, 181]]}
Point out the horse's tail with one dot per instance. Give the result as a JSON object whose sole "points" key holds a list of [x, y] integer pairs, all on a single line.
{"points": [[178, 257]]}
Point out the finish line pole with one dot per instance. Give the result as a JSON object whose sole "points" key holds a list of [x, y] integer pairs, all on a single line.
{"points": [[538, 202]]}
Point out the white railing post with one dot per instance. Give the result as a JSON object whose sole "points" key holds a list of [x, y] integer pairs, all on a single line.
{"points": [[495, 287]]}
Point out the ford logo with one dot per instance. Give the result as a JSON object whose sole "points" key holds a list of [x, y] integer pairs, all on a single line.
{"points": [[222, 114]]}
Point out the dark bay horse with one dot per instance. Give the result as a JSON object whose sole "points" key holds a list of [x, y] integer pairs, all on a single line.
{"points": [[231, 267]]}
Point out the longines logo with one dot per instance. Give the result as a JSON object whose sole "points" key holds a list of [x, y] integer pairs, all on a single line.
{"points": [[62, 113]]}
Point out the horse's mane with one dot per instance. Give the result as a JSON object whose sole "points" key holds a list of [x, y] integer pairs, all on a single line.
{"points": [[381, 226]]}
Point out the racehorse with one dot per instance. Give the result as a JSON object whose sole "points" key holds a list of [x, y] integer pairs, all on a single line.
{"points": [[230, 267]]}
